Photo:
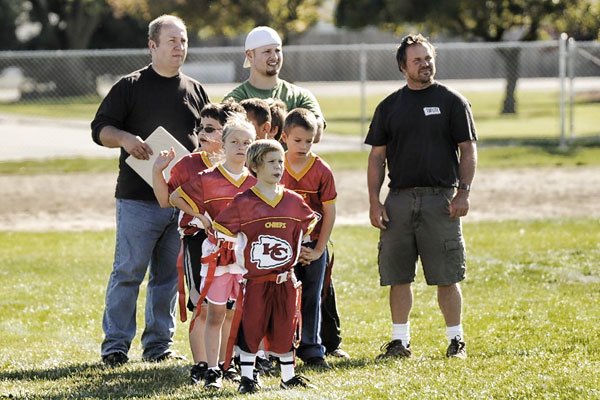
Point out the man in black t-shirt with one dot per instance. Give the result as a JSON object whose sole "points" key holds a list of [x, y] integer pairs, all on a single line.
{"points": [[425, 134], [146, 235]]}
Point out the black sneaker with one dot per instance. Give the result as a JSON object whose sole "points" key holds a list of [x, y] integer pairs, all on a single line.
{"points": [[115, 359], [230, 374], [317, 363], [267, 366], [298, 381], [197, 372], [213, 379], [395, 348], [248, 385], [169, 355], [457, 348]]}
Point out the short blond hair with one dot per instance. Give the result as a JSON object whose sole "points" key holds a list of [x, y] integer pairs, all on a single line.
{"points": [[237, 122], [257, 151]]}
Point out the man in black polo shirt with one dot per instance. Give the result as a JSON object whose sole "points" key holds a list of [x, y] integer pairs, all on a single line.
{"points": [[425, 134]]}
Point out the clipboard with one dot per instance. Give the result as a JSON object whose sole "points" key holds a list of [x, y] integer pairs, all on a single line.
{"points": [[158, 140]]}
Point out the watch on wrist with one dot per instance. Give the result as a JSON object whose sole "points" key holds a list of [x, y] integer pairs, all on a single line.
{"points": [[464, 186]]}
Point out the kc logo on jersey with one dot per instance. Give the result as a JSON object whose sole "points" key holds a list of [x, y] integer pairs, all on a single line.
{"points": [[270, 252]]}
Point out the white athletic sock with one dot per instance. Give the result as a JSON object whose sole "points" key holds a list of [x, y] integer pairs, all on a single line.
{"points": [[401, 332], [247, 363], [286, 362], [454, 331]]}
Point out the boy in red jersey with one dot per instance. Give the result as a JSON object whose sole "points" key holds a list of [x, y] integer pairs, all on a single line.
{"points": [[309, 176], [212, 119], [205, 196], [267, 224]]}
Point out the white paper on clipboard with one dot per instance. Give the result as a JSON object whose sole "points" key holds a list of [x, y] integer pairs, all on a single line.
{"points": [[158, 140]]}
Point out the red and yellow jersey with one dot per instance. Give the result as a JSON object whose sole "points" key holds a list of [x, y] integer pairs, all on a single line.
{"points": [[212, 190], [315, 183], [187, 167], [267, 233]]}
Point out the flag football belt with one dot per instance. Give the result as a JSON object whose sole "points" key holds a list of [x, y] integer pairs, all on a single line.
{"points": [[224, 255], [279, 278], [181, 286], [219, 242]]}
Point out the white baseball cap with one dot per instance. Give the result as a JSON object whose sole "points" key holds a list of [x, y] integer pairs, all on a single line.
{"points": [[258, 37]]}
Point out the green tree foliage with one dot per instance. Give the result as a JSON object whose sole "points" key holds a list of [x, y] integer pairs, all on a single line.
{"points": [[582, 22], [81, 24], [475, 19], [65, 24], [11, 9], [229, 17], [489, 20]]}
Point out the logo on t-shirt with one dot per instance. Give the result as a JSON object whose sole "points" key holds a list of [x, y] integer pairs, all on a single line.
{"points": [[431, 110], [270, 252]]}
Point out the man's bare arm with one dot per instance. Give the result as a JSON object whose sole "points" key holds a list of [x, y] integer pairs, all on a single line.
{"points": [[459, 206], [375, 177]]}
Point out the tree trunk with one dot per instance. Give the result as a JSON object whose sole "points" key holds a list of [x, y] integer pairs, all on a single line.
{"points": [[510, 58]]}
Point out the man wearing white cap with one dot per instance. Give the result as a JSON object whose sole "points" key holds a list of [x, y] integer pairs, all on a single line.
{"points": [[264, 57]]}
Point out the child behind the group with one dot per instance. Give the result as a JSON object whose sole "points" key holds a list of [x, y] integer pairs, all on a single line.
{"points": [[259, 113], [212, 118], [204, 196], [312, 178], [267, 224], [278, 112]]}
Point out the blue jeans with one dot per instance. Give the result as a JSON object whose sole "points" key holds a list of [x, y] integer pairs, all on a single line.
{"points": [[147, 238], [312, 277]]}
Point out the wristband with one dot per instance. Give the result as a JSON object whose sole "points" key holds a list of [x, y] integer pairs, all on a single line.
{"points": [[464, 186]]}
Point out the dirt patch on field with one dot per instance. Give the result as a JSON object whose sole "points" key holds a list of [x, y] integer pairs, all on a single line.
{"points": [[85, 201]]}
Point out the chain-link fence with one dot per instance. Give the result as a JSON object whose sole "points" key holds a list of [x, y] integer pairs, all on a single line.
{"points": [[86, 75]]}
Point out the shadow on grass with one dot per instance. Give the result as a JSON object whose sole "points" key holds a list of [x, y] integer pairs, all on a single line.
{"points": [[135, 379], [50, 373], [97, 381], [337, 365]]}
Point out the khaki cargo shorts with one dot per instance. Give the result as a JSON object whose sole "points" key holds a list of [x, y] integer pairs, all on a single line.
{"points": [[420, 227]]}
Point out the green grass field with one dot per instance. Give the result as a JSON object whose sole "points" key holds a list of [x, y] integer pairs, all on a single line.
{"points": [[531, 317], [531, 296]]}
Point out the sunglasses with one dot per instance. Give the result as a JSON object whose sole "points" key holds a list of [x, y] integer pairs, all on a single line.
{"points": [[207, 129]]}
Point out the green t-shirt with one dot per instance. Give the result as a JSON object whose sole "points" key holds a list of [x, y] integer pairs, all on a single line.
{"points": [[292, 95]]}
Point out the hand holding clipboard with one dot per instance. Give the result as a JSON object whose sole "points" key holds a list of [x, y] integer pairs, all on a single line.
{"points": [[158, 140]]}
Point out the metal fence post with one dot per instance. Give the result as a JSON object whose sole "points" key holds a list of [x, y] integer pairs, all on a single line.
{"points": [[363, 92], [562, 67], [571, 48]]}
